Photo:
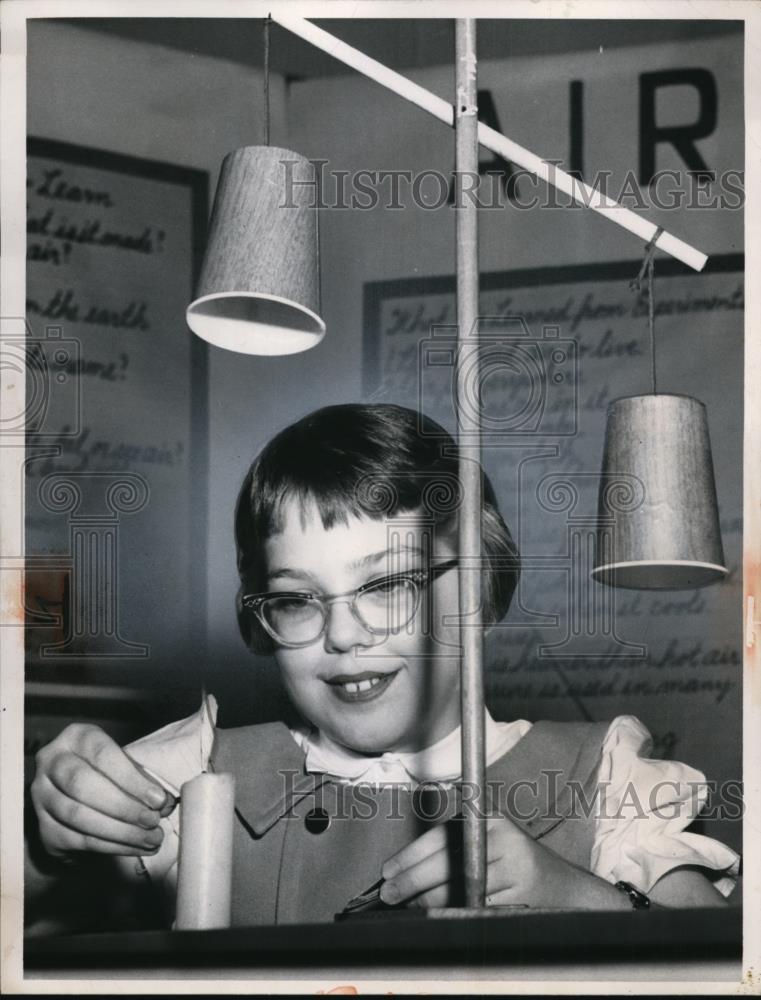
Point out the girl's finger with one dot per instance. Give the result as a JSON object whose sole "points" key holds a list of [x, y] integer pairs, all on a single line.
{"points": [[500, 840], [96, 747], [111, 760], [506, 897], [500, 880], [78, 780], [439, 896], [169, 806], [89, 823], [434, 870], [68, 841], [430, 842]]}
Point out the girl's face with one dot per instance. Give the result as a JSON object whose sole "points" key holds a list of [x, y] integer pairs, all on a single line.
{"points": [[413, 700]]}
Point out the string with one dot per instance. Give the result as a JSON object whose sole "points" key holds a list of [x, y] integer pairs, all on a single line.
{"points": [[648, 267], [651, 319], [267, 22]]}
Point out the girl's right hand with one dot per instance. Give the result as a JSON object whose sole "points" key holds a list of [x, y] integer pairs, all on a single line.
{"points": [[89, 796]]}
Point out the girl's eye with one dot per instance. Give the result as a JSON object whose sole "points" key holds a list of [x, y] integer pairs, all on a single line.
{"points": [[292, 602], [385, 588], [290, 605]]}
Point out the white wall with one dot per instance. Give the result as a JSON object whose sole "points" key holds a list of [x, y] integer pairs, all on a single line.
{"points": [[145, 100]]}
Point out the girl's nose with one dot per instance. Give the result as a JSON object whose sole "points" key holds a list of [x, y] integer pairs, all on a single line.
{"points": [[343, 631]]}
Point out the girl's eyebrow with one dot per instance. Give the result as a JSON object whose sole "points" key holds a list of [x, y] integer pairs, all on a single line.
{"points": [[372, 558], [376, 557], [296, 574]]}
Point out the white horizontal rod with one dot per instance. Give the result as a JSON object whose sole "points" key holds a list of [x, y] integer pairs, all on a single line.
{"points": [[493, 140]]}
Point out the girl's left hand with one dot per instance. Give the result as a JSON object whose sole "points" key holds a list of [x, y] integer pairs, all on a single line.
{"points": [[519, 870]]}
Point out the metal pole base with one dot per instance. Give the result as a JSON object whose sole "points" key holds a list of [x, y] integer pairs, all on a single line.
{"points": [[445, 912]]}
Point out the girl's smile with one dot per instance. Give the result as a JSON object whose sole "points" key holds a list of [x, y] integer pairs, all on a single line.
{"points": [[361, 687], [371, 692]]}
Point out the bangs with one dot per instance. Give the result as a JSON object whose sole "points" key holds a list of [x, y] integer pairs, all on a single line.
{"points": [[370, 462], [337, 500], [334, 506]]}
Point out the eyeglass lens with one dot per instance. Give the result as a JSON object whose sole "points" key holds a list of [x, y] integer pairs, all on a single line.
{"points": [[386, 607]]}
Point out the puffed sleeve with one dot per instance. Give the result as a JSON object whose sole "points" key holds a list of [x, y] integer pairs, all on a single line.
{"points": [[644, 808], [172, 755]]}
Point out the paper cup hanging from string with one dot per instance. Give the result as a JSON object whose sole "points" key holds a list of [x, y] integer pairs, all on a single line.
{"points": [[259, 289], [658, 520]]}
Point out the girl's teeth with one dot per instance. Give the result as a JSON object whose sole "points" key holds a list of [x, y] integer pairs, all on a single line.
{"points": [[354, 687]]}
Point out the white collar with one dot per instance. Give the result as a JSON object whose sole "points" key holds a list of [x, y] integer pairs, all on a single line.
{"points": [[439, 762]]}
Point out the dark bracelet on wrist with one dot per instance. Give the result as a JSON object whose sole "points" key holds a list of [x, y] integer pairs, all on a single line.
{"points": [[638, 899]]}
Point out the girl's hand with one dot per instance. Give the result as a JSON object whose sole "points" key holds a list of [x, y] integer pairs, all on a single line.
{"points": [[89, 796], [519, 870]]}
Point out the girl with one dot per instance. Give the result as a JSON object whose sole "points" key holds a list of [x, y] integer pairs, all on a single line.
{"points": [[346, 529]]}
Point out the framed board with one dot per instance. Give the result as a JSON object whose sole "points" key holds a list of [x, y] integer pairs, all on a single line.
{"points": [[116, 420], [559, 344]]}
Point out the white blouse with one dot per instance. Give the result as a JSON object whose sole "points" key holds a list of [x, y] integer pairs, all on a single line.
{"points": [[642, 812]]}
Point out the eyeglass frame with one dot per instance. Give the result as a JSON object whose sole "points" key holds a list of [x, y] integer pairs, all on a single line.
{"points": [[419, 577]]}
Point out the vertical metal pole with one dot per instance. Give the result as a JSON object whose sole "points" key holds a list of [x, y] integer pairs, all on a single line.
{"points": [[469, 438]]}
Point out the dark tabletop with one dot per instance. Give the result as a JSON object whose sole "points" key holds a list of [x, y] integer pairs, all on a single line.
{"points": [[403, 938]]}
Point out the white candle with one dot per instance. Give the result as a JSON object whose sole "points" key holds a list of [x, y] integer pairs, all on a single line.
{"points": [[204, 877]]}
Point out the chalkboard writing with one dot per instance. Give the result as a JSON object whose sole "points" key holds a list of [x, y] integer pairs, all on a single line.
{"points": [[116, 452], [54, 230], [420, 317], [63, 304], [77, 453]]}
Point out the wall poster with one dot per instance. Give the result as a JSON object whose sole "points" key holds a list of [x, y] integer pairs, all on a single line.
{"points": [[116, 465], [559, 344]]}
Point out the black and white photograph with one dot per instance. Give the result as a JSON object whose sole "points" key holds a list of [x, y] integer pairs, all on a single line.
{"points": [[381, 504]]}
